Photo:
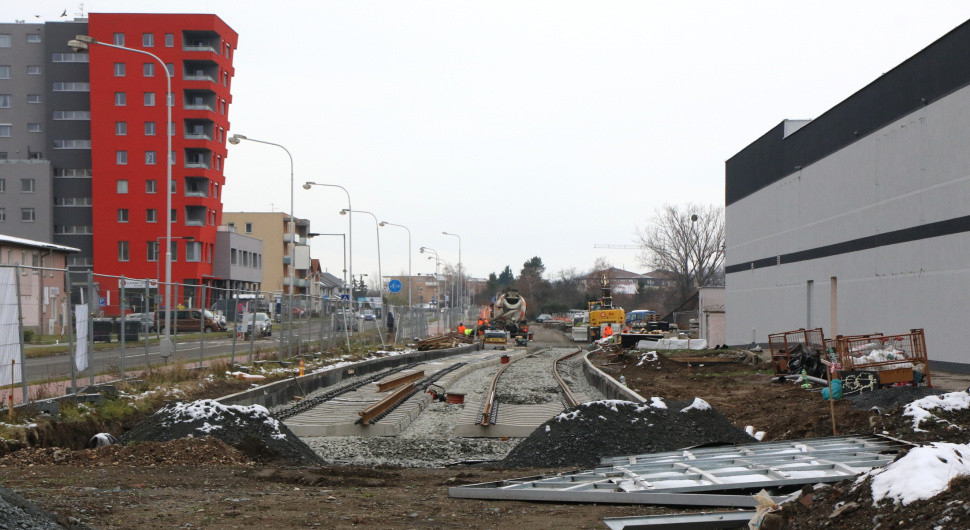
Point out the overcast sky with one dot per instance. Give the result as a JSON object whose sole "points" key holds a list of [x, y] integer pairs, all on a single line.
{"points": [[529, 128]]}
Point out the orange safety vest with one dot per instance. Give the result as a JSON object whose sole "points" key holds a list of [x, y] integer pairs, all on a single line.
{"points": [[461, 329], [607, 331]]}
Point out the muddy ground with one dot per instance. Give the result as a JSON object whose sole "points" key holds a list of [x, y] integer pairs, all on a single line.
{"points": [[204, 483]]}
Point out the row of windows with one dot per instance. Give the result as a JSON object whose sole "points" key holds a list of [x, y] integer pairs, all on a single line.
{"points": [[6, 40], [148, 100], [148, 41], [72, 201], [195, 251], [5, 70], [6, 129], [245, 258], [121, 100], [72, 230], [72, 173], [200, 160], [27, 215], [26, 185]]}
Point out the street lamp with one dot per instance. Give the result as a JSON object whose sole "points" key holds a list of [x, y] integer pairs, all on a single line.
{"points": [[380, 274], [234, 140], [83, 42], [350, 231], [385, 223], [437, 282], [461, 288]]}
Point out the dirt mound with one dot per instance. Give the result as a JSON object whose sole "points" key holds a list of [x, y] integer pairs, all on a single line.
{"points": [[205, 451], [250, 429], [845, 505], [590, 431]]}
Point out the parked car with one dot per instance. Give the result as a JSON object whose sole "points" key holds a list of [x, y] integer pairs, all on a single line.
{"points": [[264, 325], [190, 320], [543, 317], [342, 319], [369, 315]]}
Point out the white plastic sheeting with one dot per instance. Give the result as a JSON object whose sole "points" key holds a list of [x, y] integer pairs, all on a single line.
{"points": [[81, 332], [9, 328], [672, 344]]}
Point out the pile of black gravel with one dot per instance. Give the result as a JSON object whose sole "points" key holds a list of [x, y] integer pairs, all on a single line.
{"points": [[583, 435], [888, 399], [251, 429]]}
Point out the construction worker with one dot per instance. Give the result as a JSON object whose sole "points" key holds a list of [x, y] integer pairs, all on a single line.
{"points": [[461, 328], [481, 326], [607, 331]]}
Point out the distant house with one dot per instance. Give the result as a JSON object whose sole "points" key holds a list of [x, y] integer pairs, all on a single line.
{"points": [[659, 278], [42, 285], [627, 282], [621, 281], [323, 285]]}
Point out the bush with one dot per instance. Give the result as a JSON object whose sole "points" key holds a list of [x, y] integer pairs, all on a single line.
{"points": [[28, 335]]}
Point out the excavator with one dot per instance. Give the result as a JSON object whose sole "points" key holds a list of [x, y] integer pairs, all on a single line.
{"points": [[602, 311]]}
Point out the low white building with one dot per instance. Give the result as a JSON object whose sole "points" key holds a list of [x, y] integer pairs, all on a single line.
{"points": [[859, 221]]}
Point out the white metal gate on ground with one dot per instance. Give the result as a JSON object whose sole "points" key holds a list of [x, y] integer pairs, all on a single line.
{"points": [[680, 477]]}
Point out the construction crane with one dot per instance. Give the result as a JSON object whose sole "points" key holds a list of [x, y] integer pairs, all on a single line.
{"points": [[618, 247]]}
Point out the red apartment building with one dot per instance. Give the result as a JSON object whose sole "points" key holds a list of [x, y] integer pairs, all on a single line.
{"points": [[128, 146]]}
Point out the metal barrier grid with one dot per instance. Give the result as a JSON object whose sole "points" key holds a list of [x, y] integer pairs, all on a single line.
{"points": [[38, 324]]}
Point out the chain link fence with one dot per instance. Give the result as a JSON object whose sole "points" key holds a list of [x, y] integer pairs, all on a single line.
{"points": [[59, 325]]}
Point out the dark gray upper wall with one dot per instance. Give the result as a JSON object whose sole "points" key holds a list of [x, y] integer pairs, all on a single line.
{"points": [[69, 164], [18, 56], [934, 72]]}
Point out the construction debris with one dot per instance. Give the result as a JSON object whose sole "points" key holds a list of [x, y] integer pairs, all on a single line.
{"points": [[448, 340]]}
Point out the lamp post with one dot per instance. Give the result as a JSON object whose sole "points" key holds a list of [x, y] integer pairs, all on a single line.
{"points": [[461, 288], [437, 282], [380, 273], [234, 140], [83, 42], [350, 232], [410, 281]]}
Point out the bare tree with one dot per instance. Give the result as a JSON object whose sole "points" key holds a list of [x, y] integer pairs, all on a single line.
{"points": [[687, 241]]}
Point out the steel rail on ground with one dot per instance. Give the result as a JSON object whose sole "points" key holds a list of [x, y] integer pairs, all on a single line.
{"points": [[489, 409], [567, 393]]}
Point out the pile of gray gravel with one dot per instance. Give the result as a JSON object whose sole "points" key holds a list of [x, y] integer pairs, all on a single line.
{"points": [[18, 512], [251, 429], [583, 435]]}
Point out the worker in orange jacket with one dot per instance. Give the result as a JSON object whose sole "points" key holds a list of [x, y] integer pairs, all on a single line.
{"points": [[481, 326], [607, 331], [461, 328]]}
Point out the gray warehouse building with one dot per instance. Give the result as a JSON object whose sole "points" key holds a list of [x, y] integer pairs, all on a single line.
{"points": [[859, 221]]}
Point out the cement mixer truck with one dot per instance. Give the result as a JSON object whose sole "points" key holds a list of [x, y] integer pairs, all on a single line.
{"points": [[506, 319]]}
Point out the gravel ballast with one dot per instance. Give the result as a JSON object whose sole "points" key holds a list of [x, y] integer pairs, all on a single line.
{"points": [[888, 399], [251, 429], [529, 381], [583, 435]]}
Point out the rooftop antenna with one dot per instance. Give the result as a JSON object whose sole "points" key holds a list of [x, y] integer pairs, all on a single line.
{"points": [[80, 10]]}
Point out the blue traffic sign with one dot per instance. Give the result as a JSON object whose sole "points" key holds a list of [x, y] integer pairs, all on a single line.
{"points": [[102, 301], [394, 286], [345, 298]]}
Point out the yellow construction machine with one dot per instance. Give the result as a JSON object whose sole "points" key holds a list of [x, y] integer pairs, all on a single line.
{"points": [[602, 311]]}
